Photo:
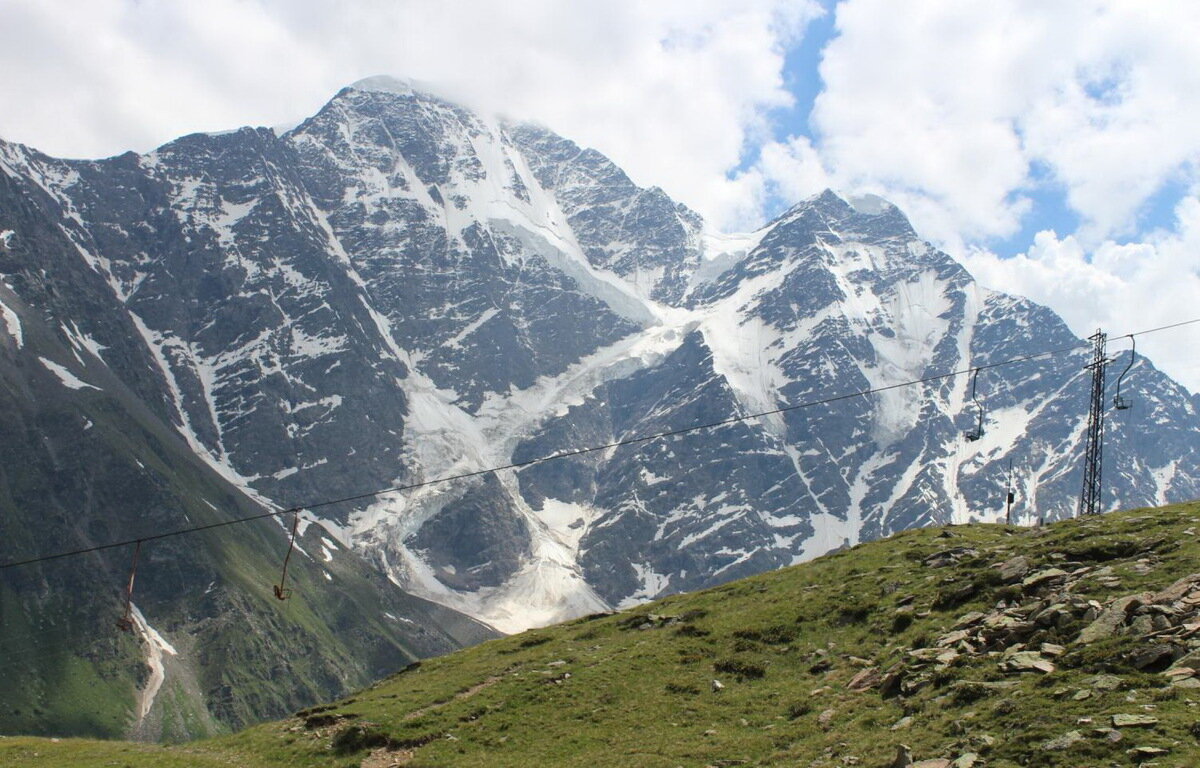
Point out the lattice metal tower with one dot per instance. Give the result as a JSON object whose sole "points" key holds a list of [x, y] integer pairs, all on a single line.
{"points": [[1093, 458]]}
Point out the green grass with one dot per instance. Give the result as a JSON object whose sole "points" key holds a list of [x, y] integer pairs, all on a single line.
{"points": [[783, 644]]}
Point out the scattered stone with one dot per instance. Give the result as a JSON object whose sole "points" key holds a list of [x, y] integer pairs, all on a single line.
{"points": [[937, 762], [1050, 649], [891, 684], [902, 723], [1108, 623], [1042, 578], [1066, 741], [967, 760], [948, 557], [956, 636], [1146, 753], [864, 680], [1081, 695], [1133, 721], [1104, 682], [717, 686], [1027, 661], [826, 717], [1015, 569], [1111, 735], [968, 619], [1153, 657]]}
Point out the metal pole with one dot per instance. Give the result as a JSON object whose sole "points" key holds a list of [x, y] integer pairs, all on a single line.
{"points": [[1093, 457], [1009, 495]]}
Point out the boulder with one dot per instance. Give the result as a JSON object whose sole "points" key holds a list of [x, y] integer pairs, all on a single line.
{"points": [[1112, 618], [969, 619], [1027, 661], [1133, 721], [1066, 741], [1042, 577], [1154, 658], [1014, 569], [1104, 682], [948, 557], [1050, 649], [865, 679]]}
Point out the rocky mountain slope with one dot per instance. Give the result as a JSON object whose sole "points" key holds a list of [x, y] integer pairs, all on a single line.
{"points": [[399, 290], [978, 645], [88, 458]]}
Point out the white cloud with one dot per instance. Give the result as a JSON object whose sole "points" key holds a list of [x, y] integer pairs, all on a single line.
{"points": [[1120, 288], [947, 109], [671, 90], [956, 103]]}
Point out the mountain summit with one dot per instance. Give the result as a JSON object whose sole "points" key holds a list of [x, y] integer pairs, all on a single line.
{"points": [[400, 290]]}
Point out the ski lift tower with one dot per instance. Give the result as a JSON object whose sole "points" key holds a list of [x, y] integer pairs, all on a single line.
{"points": [[1089, 498]]}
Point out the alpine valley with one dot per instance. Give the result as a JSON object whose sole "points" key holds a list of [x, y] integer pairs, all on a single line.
{"points": [[398, 291]]}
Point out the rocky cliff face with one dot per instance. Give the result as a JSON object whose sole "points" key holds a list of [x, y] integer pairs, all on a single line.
{"points": [[399, 290], [103, 437]]}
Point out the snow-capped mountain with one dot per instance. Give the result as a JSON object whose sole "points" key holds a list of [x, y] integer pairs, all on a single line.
{"points": [[399, 290]]}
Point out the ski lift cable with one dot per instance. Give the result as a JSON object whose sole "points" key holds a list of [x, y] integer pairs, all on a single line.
{"points": [[271, 513]]}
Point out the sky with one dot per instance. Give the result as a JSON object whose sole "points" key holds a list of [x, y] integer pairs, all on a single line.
{"points": [[1053, 148]]}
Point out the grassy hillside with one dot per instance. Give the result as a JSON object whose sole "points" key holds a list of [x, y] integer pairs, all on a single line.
{"points": [[1078, 651]]}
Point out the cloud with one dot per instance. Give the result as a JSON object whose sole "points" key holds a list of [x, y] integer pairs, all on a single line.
{"points": [[962, 112], [958, 103], [672, 90], [1121, 288]]}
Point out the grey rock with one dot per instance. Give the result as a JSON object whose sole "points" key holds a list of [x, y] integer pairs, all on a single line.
{"points": [[1133, 721], [1014, 569], [1065, 741], [1112, 618]]}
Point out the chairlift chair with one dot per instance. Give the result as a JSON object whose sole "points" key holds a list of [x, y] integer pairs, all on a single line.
{"points": [[125, 623], [1120, 402], [282, 592], [976, 433]]}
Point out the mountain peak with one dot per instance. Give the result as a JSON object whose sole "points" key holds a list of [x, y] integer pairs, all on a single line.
{"points": [[410, 87], [403, 86], [863, 214]]}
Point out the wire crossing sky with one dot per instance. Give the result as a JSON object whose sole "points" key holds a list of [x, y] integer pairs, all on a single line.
{"points": [[1049, 146]]}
